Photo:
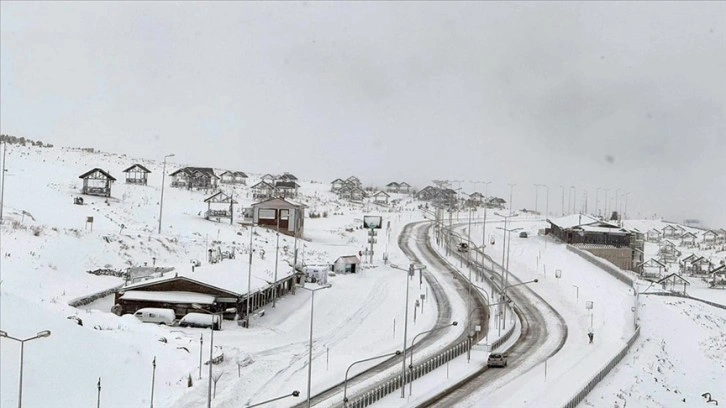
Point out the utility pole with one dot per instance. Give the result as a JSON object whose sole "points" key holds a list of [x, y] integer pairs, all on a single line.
{"points": [[511, 204], [563, 199], [2, 181]]}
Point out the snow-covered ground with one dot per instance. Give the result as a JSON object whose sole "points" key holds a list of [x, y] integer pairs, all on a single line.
{"points": [[47, 247]]}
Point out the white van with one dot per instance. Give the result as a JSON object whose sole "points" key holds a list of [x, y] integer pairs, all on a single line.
{"points": [[156, 315]]}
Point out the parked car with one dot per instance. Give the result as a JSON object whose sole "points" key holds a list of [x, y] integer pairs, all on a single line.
{"points": [[463, 247], [497, 360], [201, 320], [156, 315], [523, 234]]}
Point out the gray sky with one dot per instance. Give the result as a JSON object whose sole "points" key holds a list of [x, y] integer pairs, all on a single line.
{"points": [[510, 92]]}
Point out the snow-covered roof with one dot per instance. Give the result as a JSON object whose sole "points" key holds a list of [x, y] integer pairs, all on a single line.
{"points": [[349, 259], [169, 297], [609, 230], [574, 220]]}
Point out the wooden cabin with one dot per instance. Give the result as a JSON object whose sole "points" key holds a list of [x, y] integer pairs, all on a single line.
{"points": [[263, 190], [137, 174], [97, 182], [276, 213], [200, 178]]}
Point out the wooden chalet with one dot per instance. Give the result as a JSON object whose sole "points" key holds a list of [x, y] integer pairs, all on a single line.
{"points": [[336, 185], [200, 178], [178, 293], [721, 235], [233, 177], [268, 178], [286, 189], [263, 190], [717, 277], [287, 177], [354, 181], [286, 216], [381, 197], [223, 207], [710, 237], [653, 235], [684, 264], [428, 193], [393, 187], [97, 182], [137, 174], [352, 193], [670, 231], [667, 252], [652, 268], [404, 187], [688, 239], [701, 266], [674, 283], [476, 197]]}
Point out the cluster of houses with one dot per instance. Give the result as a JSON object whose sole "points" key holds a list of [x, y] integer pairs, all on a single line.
{"points": [[271, 186], [449, 197], [349, 189], [687, 239]]}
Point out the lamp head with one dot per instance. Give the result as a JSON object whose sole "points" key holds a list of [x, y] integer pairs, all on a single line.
{"points": [[3, 334], [536, 280], [44, 333], [398, 352], [296, 393], [454, 323]]}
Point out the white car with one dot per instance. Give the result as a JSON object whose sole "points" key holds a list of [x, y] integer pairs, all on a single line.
{"points": [[201, 320], [156, 315]]}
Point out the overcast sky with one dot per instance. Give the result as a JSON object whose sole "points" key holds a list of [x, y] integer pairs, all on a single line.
{"points": [[628, 96]]}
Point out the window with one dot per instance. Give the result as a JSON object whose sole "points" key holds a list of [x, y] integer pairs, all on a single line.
{"points": [[266, 214], [284, 215]]}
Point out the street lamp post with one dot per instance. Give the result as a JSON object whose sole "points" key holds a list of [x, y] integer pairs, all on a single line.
{"points": [[211, 347], [505, 270], [410, 365], [412, 267], [292, 394], [310, 344], [163, 178], [249, 276], [345, 382], [44, 333], [511, 205]]}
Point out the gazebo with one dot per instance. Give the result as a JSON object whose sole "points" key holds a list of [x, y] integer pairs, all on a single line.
{"points": [[137, 174], [224, 206]]}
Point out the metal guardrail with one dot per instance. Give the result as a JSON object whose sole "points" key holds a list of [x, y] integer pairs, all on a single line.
{"points": [[580, 396]]}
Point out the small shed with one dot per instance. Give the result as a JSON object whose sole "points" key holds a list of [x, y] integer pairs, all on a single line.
{"points": [[717, 277], [653, 235], [688, 239], [701, 265], [381, 197], [137, 174], [675, 283], [652, 268], [279, 213], [97, 182], [669, 231], [685, 263], [346, 264], [223, 206], [710, 236]]}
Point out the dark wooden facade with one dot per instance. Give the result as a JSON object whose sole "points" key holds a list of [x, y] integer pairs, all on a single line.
{"points": [[97, 182], [137, 174], [200, 178]]}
